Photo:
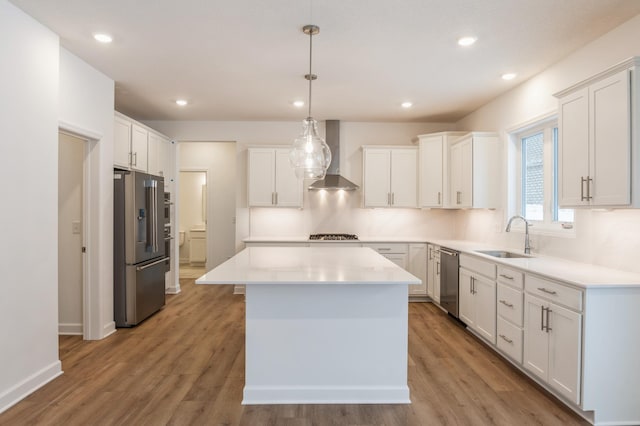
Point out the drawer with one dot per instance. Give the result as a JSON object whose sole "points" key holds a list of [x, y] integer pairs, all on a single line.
{"points": [[511, 277], [396, 248], [478, 265], [509, 340], [554, 291], [510, 304]]}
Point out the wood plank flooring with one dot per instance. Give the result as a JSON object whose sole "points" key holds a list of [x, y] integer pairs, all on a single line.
{"points": [[185, 366]]}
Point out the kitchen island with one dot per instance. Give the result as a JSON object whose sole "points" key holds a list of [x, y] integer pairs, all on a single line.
{"points": [[324, 325]]}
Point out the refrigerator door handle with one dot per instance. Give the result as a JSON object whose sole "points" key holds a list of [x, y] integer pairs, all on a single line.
{"points": [[149, 265]]}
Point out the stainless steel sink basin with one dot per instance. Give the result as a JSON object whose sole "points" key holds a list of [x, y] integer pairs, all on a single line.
{"points": [[502, 254]]}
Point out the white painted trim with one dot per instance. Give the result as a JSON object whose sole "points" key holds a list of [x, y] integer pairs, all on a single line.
{"points": [[73, 329], [29, 385], [536, 121], [78, 131], [173, 290], [108, 329]]}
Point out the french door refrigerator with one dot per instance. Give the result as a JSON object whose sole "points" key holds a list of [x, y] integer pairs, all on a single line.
{"points": [[138, 246]]}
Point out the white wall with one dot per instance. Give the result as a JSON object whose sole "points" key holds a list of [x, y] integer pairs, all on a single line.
{"points": [[609, 238], [327, 214], [70, 161], [86, 104], [219, 160], [29, 172]]}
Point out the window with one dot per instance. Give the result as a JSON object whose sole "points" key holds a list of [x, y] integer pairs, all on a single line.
{"points": [[537, 189]]}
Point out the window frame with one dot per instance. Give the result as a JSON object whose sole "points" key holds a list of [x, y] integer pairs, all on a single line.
{"points": [[545, 123]]}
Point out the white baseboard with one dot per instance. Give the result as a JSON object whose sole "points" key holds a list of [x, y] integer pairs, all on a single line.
{"points": [[29, 385], [108, 329], [173, 290], [70, 329]]}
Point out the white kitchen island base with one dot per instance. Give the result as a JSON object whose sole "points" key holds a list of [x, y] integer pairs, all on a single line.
{"points": [[326, 325], [326, 344]]}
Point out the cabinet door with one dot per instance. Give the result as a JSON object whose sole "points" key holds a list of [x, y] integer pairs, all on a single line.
{"points": [[154, 164], [610, 141], [466, 177], [455, 175], [466, 305], [288, 187], [430, 271], [431, 179], [565, 351], [418, 267], [436, 279], [121, 142], [377, 180], [536, 339], [404, 178], [573, 148], [261, 169], [398, 258], [485, 307], [139, 147]]}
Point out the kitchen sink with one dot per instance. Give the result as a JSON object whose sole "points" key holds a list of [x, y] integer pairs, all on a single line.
{"points": [[502, 254]]}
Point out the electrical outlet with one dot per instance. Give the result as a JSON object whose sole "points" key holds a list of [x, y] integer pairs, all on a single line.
{"points": [[76, 228]]}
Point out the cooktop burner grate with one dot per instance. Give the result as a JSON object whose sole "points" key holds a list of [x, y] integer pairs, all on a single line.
{"points": [[339, 237]]}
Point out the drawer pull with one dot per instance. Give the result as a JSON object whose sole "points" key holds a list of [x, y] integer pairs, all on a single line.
{"points": [[384, 249], [544, 290], [505, 338], [507, 304], [509, 277]]}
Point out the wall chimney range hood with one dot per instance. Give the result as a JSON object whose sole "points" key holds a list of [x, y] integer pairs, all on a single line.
{"points": [[333, 180]]}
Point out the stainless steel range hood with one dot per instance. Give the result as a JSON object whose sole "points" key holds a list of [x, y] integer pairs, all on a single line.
{"points": [[333, 180]]}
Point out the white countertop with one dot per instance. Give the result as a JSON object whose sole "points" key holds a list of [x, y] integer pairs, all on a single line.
{"points": [[361, 240], [583, 275], [308, 265]]}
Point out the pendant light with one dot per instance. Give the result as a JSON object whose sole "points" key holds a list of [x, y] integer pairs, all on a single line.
{"points": [[310, 155]]}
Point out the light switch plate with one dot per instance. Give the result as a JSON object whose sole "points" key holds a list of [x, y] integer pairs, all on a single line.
{"points": [[75, 227]]}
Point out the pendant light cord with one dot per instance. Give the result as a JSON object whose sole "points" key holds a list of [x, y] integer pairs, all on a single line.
{"points": [[310, 74]]}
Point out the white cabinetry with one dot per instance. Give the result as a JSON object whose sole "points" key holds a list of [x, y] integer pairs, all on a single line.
{"points": [[390, 176], [596, 132], [510, 307], [553, 334], [122, 142], [477, 296], [418, 267], [272, 181], [158, 153], [474, 171], [433, 168], [137, 147], [433, 272]]}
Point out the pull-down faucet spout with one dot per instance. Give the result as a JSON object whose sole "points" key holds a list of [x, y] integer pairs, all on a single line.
{"points": [[527, 247]]}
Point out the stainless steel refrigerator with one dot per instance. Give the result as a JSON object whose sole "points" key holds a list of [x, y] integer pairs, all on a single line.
{"points": [[138, 246]]}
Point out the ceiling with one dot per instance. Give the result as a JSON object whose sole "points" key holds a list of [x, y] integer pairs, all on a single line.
{"points": [[246, 59]]}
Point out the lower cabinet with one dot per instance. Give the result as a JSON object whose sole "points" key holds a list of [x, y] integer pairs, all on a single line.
{"points": [[477, 304], [418, 267], [433, 272], [552, 345]]}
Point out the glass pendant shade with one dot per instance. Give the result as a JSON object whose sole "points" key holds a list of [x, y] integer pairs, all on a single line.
{"points": [[310, 155]]}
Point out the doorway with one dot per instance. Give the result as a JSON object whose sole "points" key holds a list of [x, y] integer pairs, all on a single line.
{"points": [[71, 270], [192, 230]]}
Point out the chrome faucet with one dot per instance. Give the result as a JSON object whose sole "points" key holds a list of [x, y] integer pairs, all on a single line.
{"points": [[527, 247]]}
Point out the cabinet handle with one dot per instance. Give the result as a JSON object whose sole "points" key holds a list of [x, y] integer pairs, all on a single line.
{"points": [[509, 277], [439, 198], [273, 199], [544, 290], [458, 194], [135, 158], [547, 326], [276, 198], [507, 304], [505, 338], [542, 318], [393, 198], [430, 254], [437, 268], [589, 180], [384, 248]]}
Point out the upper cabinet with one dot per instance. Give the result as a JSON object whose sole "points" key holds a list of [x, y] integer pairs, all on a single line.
{"points": [[596, 132], [390, 176], [136, 147], [272, 181], [433, 173], [474, 171]]}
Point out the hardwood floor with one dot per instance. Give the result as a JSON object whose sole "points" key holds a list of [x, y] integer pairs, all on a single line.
{"points": [[185, 366]]}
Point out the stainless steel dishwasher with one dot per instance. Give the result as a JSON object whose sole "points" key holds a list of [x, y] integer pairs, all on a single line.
{"points": [[449, 263]]}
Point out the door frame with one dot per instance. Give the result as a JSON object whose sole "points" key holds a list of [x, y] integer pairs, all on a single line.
{"points": [[91, 328], [205, 205]]}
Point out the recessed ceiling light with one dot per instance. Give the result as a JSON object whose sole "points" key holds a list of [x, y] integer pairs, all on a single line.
{"points": [[406, 105], [181, 102], [509, 76], [103, 38], [298, 104], [466, 41]]}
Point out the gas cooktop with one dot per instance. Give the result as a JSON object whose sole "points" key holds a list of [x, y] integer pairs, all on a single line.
{"points": [[334, 237]]}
